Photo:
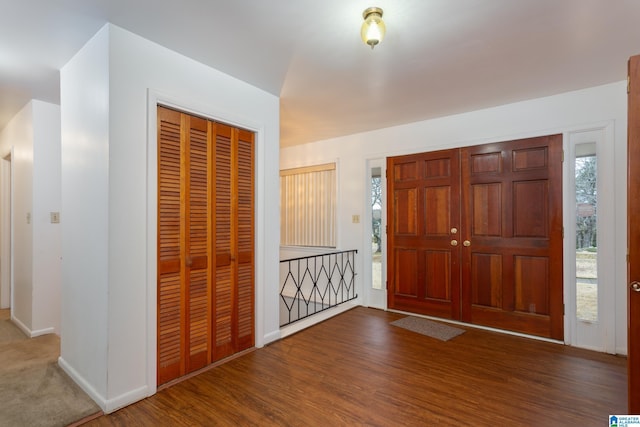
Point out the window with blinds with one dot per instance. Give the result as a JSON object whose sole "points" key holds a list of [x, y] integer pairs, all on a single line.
{"points": [[308, 206]]}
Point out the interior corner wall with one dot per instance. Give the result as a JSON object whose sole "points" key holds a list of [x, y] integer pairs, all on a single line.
{"points": [[47, 272], [108, 194], [84, 102], [569, 111], [18, 134]]}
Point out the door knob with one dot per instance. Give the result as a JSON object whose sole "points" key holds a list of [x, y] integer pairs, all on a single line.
{"points": [[635, 286], [466, 243], [454, 243], [454, 230]]}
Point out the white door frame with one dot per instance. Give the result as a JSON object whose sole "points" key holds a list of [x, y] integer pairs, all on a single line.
{"points": [[598, 335], [6, 231], [376, 298]]}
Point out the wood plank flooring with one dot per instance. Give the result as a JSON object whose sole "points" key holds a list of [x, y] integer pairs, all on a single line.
{"points": [[356, 369]]}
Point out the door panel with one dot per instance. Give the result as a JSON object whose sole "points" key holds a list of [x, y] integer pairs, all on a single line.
{"points": [[633, 234], [245, 240], [511, 215], [424, 270], [197, 244], [171, 322], [224, 293]]}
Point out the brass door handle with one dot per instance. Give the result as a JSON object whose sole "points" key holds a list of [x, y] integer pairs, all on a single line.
{"points": [[635, 286], [466, 243], [454, 243]]}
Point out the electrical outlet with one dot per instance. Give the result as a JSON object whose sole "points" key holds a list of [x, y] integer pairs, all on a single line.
{"points": [[355, 219], [55, 217]]}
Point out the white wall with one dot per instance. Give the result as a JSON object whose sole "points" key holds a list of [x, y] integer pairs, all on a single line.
{"points": [[34, 135], [84, 102], [47, 273], [556, 114], [109, 93]]}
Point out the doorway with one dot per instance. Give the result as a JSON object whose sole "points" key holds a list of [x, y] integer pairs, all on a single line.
{"points": [[6, 253], [475, 234]]}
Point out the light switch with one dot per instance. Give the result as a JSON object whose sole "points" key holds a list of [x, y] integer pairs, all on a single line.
{"points": [[55, 217], [28, 217], [355, 219]]}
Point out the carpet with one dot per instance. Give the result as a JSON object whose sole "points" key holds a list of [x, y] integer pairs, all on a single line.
{"points": [[428, 328], [34, 390]]}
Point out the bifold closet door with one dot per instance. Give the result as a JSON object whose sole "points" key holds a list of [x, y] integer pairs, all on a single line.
{"points": [[234, 242], [184, 244], [205, 242]]}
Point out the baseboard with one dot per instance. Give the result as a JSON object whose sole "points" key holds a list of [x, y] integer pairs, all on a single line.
{"points": [[40, 332], [84, 385], [316, 318], [21, 326], [271, 337], [28, 332], [125, 399]]}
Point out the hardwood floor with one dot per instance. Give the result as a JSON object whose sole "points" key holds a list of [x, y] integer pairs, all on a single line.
{"points": [[356, 369]]}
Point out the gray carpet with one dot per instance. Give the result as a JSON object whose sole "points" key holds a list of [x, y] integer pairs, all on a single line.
{"points": [[34, 390], [428, 328]]}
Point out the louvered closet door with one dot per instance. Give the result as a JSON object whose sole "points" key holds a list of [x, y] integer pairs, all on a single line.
{"points": [[234, 271], [184, 244], [171, 321], [205, 242]]}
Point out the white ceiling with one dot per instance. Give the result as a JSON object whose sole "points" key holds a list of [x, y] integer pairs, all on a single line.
{"points": [[439, 57]]}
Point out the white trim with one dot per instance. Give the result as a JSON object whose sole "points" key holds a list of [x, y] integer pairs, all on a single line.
{"points": [[20, 325], [106, 405], [599, 335], [273, 336], [316, 318], [84, 385], [6, 232], [155, 98], [28, 332], [40, 332], [380, 299], [125, 399]]}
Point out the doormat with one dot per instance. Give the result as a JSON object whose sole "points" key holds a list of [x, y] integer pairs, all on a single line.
{"points": [[428, 328]]}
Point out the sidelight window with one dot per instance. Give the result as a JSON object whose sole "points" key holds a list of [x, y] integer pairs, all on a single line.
{"points": [[586, 232]]}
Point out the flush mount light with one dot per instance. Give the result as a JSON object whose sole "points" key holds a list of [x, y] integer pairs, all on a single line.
{"points": [[373, 28]]}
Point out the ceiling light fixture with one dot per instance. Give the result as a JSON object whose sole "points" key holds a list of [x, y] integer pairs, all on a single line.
{"points": [[373, 28]]}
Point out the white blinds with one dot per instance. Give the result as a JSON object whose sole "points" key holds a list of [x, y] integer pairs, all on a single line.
{"points": [[308, 206]]}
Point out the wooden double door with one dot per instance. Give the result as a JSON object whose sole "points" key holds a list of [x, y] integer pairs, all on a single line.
{"points": [[205, 242], [475, 234]]}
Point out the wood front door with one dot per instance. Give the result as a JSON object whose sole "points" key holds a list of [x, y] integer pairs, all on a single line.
{"points": [[205, 242], [512, 236], [633, 235], [476, 235], [424, 215]]}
